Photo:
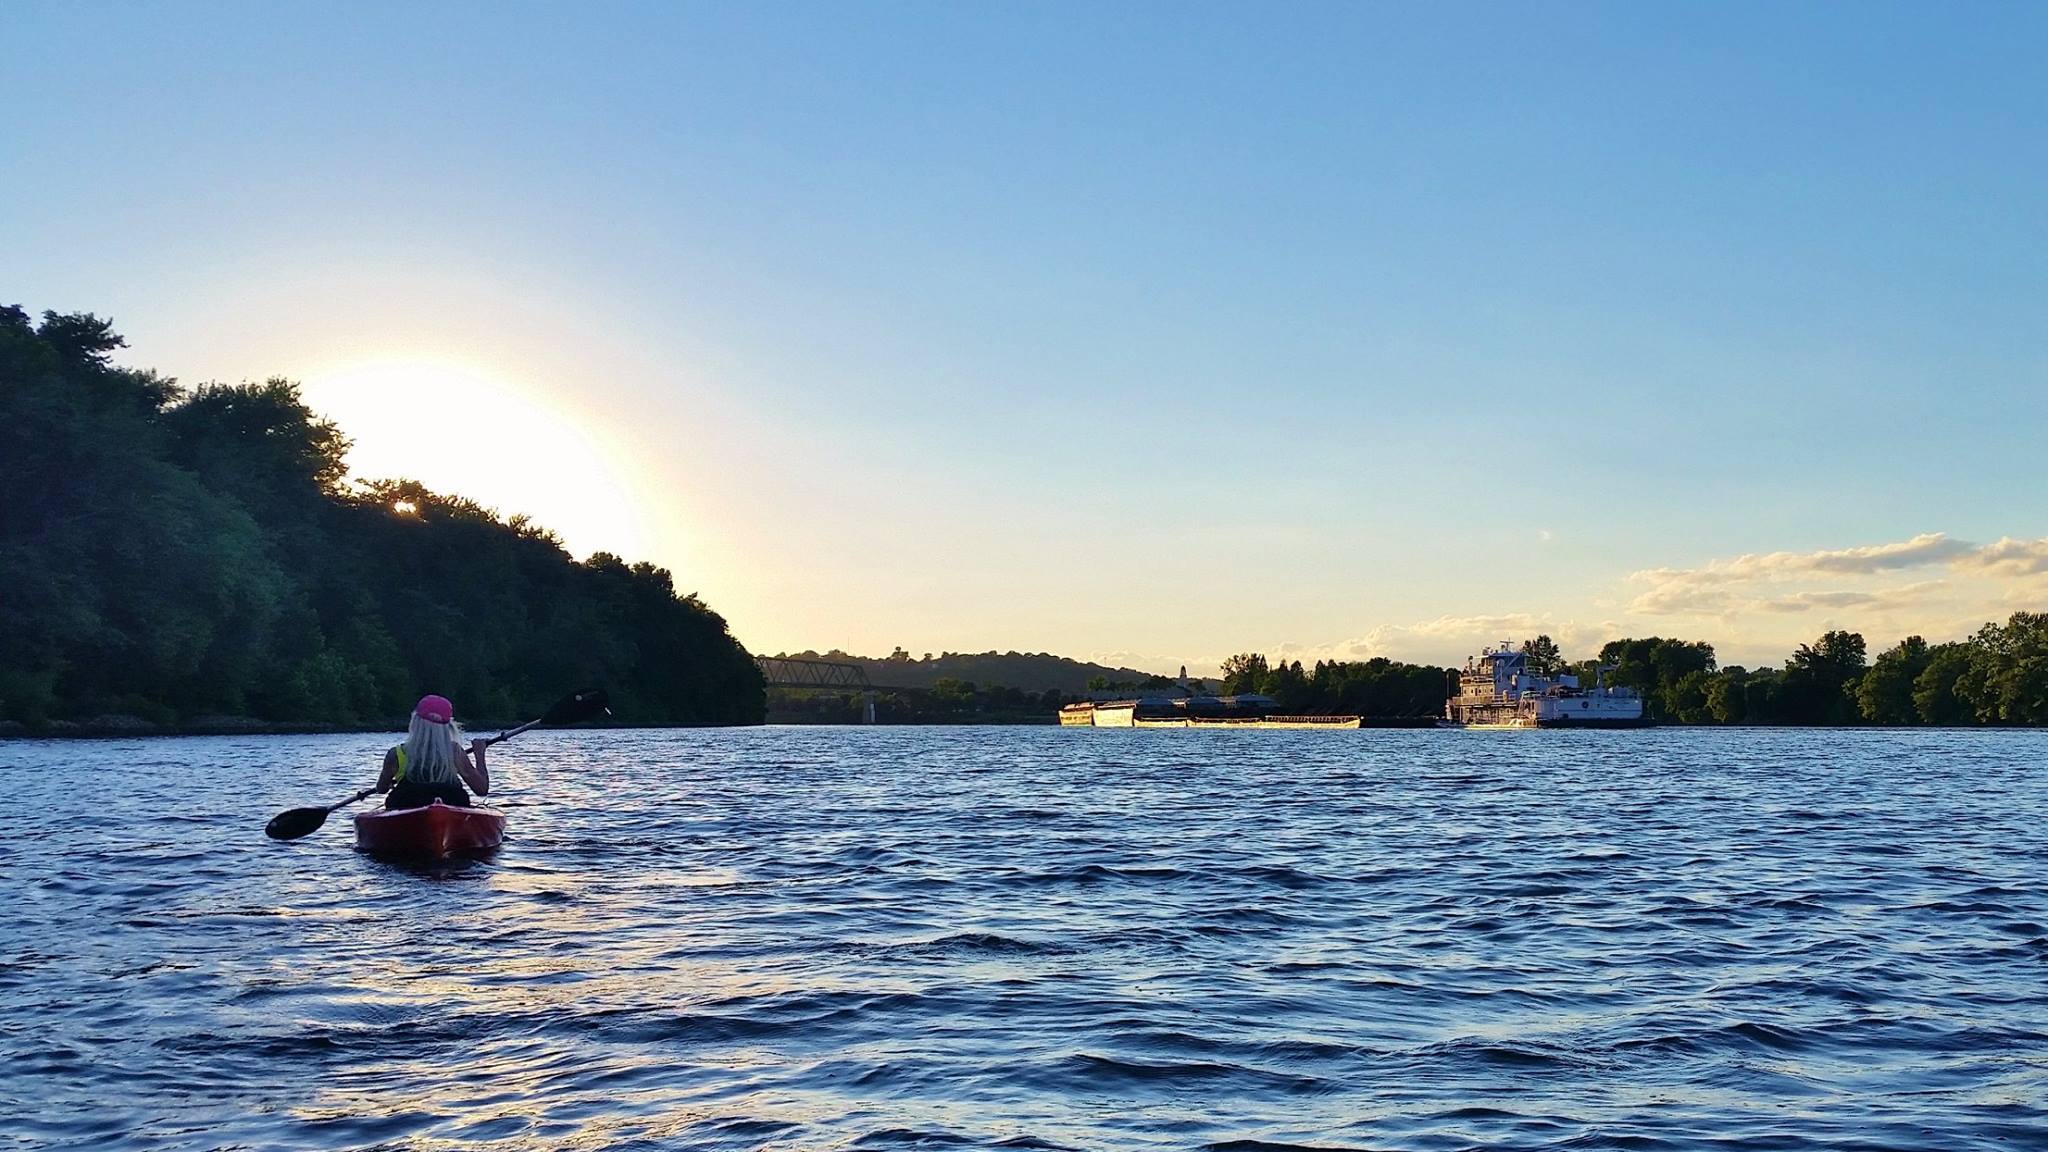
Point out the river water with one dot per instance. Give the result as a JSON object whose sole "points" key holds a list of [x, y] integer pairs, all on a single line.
{"points": [[1041, 938]]}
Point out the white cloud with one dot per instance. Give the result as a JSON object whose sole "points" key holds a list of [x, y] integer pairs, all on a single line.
{"points": [[1899, 596], [1808, 601], [1761, 602], [1704, 591], [1753, 608], [1679, 593], [1713, 590], [2010, 557], [1926, 548]]}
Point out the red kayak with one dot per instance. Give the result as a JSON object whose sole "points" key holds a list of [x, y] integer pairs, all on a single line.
{"points": [[433, 832]]}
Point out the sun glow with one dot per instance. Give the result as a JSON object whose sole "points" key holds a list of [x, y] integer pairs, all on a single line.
{"points": [[466, 432]]}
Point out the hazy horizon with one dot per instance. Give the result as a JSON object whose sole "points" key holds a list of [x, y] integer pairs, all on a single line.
{"points": [[1143, 335]]}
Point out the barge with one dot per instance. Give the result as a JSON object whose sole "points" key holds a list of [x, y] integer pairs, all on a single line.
{"points": [[1240, 711]]}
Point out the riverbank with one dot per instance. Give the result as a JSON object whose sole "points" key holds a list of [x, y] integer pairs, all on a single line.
{"points": [[103, 727], [119, 726]]}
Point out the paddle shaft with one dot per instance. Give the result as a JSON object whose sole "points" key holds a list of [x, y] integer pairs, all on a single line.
{"points": [[509, 733], [352, 799]]}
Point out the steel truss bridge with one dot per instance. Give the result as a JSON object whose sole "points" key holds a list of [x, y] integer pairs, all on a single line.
{"points": [[822, 676], [785, 672]]}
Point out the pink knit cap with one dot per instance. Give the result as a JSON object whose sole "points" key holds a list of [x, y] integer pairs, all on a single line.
{"points": [[434, 709]]}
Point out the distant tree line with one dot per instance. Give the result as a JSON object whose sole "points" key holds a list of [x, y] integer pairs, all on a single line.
{"points": [[1030, 671], [1999, 676], [1147, 684], [177, 555], [950, 701], [1377, 688]]}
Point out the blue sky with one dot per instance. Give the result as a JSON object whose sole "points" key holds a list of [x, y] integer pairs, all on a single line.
{"points": [[1140, 332]]}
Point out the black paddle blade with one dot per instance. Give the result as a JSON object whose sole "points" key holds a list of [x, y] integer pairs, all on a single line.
{"points": [[295, 823], [577, 707]]}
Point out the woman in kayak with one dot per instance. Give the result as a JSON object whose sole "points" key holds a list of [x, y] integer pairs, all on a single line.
{"points": [[432, 764]]}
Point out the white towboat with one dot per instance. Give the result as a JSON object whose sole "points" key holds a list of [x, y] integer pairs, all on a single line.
{"points": [[1497, 690]]}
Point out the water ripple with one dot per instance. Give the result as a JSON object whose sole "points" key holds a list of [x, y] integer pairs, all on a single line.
{"points": [[1042, 939]]}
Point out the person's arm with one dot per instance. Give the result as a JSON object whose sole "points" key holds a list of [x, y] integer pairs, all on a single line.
{"points": [[389, 775], [474, 772]]}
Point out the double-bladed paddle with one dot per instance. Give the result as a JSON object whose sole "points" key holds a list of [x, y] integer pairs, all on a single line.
{"points": [[574, 708]]}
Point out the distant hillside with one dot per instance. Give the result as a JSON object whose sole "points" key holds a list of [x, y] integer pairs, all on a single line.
{"points": [[1030, 671]]}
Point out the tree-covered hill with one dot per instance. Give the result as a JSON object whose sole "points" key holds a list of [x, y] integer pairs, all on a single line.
{"points": [[179, 555], [1027, 671]]}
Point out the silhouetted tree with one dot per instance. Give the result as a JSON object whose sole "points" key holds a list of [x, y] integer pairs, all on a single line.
{"points": [[1542, 657], [2006, 681], [1820, 680], [175, 555], [1245, 672], [1654, 667], [1884, 695], [1934, 689], [1727, 702]]}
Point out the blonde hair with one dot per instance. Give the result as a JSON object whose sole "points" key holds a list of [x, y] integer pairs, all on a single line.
{"points": [[433, 752]]}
